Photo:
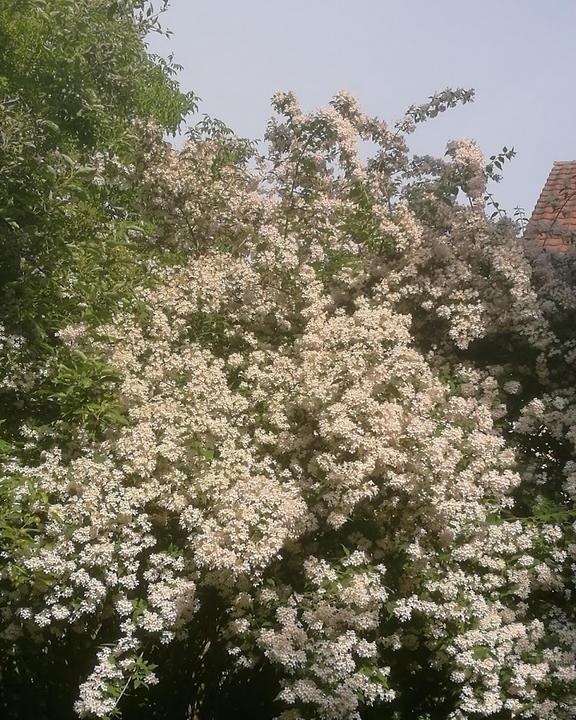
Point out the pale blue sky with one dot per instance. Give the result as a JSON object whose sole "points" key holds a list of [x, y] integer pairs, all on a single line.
{"points": [[519, 55]]}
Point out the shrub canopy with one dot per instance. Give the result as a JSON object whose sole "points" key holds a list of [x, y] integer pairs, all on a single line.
{"points": [[295, 436]]}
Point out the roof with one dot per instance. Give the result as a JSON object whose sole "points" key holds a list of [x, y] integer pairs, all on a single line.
{"points": [[553, 221]]}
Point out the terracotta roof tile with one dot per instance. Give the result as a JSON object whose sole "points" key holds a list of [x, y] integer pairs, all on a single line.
{"points": [[553, 222]]}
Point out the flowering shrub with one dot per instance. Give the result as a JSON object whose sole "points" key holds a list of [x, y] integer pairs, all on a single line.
{"points": [[338, 468]]}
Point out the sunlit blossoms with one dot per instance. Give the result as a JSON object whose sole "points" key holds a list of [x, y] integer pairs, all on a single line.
{"points": [[346, 442]]}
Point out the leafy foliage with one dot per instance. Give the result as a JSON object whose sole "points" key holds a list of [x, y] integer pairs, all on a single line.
{"points": [[75, 78]]}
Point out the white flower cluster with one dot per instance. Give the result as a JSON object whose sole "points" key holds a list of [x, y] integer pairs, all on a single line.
{"points": [[298, 383], [469, 159]]}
